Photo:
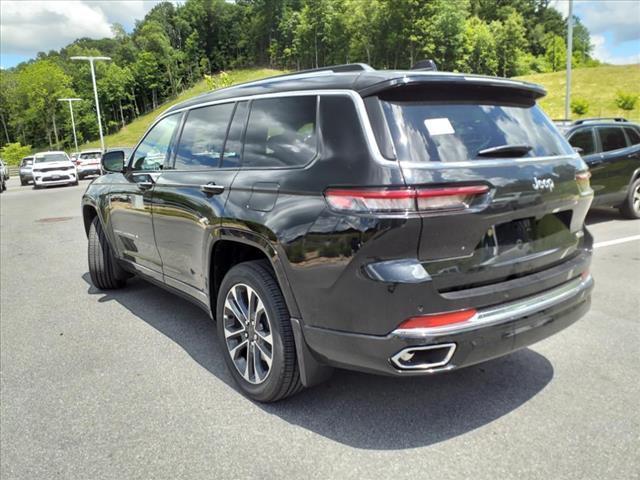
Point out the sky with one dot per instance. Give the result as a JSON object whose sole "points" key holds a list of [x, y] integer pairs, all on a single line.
{"points": [[28, 27]]}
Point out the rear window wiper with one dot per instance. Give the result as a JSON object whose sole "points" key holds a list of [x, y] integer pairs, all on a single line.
{"points": [[505, 151]]}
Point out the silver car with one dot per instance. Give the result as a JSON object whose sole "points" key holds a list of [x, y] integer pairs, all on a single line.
{"points": [[26, 170]]}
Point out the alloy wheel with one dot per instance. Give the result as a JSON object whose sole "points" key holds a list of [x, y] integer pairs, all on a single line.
{"points": [[636, 198], [247, 332]]}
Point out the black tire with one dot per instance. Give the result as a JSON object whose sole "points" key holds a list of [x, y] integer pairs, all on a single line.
{"points": [[105, 272], [283, 378], [631, 206], [23, 182]]}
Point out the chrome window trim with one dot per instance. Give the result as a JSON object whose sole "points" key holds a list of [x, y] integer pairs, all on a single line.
{"points": [[372, 144]]}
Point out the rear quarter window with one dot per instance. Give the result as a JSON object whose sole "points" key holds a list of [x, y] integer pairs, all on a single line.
{"points": [[456, 129]]}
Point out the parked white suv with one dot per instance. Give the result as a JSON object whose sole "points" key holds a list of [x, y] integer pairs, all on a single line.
{"points": [[88, 163], [53, 168]]}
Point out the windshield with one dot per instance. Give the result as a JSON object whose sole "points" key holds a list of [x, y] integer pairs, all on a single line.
{"points": [[90, 155], [51, 157], [424, 131]]}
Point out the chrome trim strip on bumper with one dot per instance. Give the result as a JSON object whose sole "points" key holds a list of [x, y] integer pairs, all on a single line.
{"points": [[505, 312]]}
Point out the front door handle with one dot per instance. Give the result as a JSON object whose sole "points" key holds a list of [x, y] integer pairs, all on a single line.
{"points": [[212, 188], [145, 185]]}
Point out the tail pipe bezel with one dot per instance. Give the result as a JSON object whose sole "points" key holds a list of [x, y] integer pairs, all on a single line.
{"points": [[397, 361]]}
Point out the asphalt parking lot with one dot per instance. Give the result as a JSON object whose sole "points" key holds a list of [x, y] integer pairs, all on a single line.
{"points": [[131, 384]]}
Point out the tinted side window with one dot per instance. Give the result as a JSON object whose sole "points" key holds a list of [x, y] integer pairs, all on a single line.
{"points": [[633, 135], [233, 147], [152, 152], [583, 139], [281, 132], [612, 138], [203, 137]]}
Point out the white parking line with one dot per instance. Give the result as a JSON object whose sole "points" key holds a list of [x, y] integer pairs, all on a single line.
{"points": [[617, 241]]}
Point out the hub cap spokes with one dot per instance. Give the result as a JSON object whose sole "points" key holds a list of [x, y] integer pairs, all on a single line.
{"points": [[247, 333]]}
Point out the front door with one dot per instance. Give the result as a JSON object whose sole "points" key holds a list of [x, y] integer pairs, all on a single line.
{"points": [[130, 199]]}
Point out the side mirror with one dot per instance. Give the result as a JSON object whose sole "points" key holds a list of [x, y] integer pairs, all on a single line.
{"points": [[113, 161], [578, 150]]}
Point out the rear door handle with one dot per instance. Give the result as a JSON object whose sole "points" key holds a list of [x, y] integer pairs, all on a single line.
{"points": [[212, 188]]}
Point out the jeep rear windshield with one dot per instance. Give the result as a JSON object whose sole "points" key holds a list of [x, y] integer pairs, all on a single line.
{"points": [[462, 126]]}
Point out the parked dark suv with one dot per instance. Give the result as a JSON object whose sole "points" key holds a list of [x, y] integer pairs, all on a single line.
{"points": [[393, 222], [611, 148]]}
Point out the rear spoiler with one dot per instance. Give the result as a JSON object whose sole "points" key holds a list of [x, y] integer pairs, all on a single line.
{"points": [[452, 79]]}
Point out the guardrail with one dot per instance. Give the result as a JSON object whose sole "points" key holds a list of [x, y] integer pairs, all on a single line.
{"points": [[14, 170]]}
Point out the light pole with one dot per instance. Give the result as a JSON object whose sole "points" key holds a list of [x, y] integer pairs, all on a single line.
{"points": [[95, 90], [73, 122], [567, 97]]}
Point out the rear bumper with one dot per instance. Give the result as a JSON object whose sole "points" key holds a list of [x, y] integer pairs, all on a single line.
{"points": [[88, 169], [496, 331]]}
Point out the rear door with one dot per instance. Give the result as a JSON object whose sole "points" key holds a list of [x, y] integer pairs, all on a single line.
{"points": [[530, 215], [189, 198], [613, 174]]}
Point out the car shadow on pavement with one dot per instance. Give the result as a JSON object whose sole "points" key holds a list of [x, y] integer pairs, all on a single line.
{"points": [[599, 215], [355, 409]]}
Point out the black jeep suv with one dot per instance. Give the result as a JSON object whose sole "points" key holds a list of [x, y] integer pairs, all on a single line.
{"points": [[393, 222], [611, 148]]}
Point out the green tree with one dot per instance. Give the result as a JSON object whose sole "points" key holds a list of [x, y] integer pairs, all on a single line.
{"points": [[114, 87], [510, 42], [444, 32], [479, 51], [41, 84], [555, 52]]}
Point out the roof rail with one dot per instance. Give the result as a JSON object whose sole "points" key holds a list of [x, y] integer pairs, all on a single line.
{"points": [[347, 67], [427, 65], [600, 119]]}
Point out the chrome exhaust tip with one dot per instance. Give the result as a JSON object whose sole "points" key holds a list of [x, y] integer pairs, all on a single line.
{"points": [[424, 358]]}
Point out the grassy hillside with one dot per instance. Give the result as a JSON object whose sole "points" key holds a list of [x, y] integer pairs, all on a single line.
{"points": [[598, 86], [130, 134]]}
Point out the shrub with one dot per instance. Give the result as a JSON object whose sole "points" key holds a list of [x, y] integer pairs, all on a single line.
{"points": [[221, 80], [579, 106], [12, 153], [626, 101]]}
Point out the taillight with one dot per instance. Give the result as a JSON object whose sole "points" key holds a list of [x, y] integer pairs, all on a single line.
{"points": [[582, 179], [438, 319], [403, 199]]}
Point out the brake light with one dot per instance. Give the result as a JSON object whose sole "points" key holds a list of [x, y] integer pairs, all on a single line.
{"points": [[404, 199], [438, 319], [582, 178]]}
